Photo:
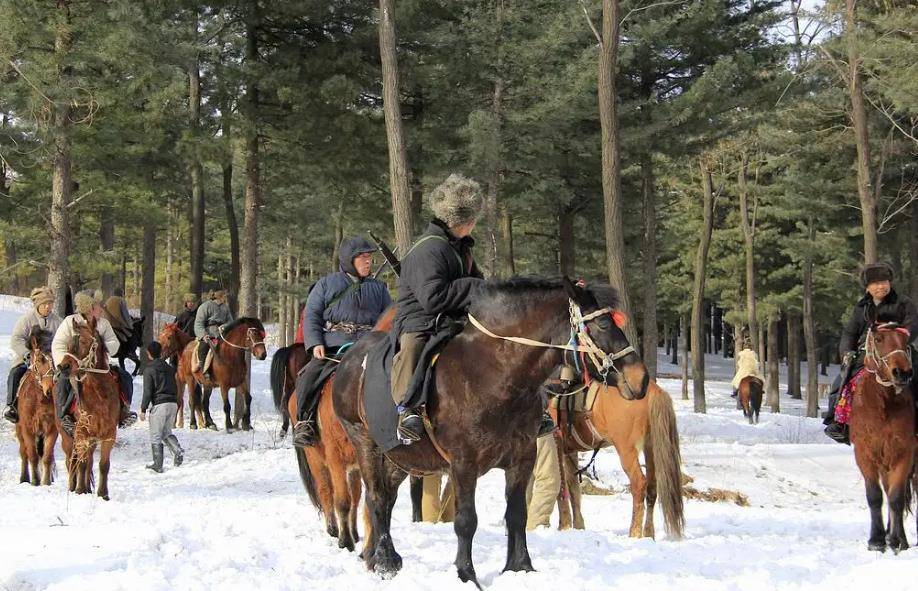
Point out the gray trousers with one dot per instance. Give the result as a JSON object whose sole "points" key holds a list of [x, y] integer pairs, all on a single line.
{"points": [[162, 417]]}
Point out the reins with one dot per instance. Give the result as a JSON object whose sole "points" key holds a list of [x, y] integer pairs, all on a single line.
{"points": [[87, 363], [249, 337], [870, 353]]}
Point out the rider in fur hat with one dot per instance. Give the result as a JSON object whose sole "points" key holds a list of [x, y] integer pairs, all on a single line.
{"points": [[41, 316]]}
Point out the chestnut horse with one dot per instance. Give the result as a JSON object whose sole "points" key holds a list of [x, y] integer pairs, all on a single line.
{"points": [[97, 411], [750, 397], [484, 410], [36, 430], [882, 427], [229, 369], [647, 424], [174, 340]]}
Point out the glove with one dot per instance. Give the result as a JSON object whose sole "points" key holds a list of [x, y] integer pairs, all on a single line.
{"points": [[849, 357]]}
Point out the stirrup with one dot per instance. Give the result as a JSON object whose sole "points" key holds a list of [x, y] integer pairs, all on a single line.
{"points": [[410, 427], [127, 418], [11, 414], [304, 434], [546, 426], [68, 425], [838, 433]]}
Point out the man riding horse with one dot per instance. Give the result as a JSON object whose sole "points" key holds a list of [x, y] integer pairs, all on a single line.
{"points": [[86, 304], [185, 320], [117, 314], [341, 308], [41, 316], [211, 315], [439, 279], [880, 303]]}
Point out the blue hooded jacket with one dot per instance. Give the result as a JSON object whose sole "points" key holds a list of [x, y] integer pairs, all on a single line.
{"points": [[363, 305]]}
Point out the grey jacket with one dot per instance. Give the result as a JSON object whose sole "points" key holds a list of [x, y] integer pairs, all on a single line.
{"points": [[210, 317], [19, 340]]}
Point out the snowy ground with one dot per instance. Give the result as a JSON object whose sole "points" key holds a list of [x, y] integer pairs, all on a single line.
{"points": [[235, 516]]}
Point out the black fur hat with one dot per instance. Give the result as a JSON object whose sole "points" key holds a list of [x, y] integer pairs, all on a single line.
{"points": [[875, 272]]}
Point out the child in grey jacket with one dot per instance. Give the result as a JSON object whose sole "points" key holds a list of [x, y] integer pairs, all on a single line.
{"points": [[159, 391]]}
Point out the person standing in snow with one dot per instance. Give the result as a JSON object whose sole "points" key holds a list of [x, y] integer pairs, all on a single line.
{"points": [[160, 396]]}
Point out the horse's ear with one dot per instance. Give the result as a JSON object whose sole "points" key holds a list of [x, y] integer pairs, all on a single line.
{"points": [[570, 289]]}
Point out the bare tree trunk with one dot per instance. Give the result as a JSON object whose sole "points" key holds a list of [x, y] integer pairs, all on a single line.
{"points": [[339, 237], [861, 136], [650, 265], [566, 241], [809, 328], [675, 340], [773, 381], [491, 216], [683, 351], [169, 304], [107, 244], [136, 290], [611, 158], [288, 292], [61, 183], [913, 251], [293, 283], [506, 220], [793, 356], [281, 300], [701, 261], [747, 221], [148, 290], [253, 199], [196, 173], [399, 173]]}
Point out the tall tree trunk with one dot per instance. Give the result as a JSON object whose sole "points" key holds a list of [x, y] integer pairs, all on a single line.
{"points": [[233, 226], [611, 158], [675, 340], [861, 135], [293, 283], [650, 264], [399, 173], [148, 289], [772, 383], [169, 300], [196, 173], [747, 221], [701, 261], [793, 355], [683, 351], [913, 251], [809, 327], [107, 244], [506, 222], [61, 183], [339, 237], [491, 213], [281, 299], [566, 240], [253, 199]]}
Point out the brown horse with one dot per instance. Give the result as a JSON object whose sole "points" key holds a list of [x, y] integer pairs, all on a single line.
{"points": [[485, 409], [229, 369], [97, 411], [882, 427], [36, 430], [285, 365], [750, 396], [174, 340], [631, 426]]}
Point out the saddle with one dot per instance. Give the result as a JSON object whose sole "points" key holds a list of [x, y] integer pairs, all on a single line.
{"points": [[196, 357], [575, 418]]}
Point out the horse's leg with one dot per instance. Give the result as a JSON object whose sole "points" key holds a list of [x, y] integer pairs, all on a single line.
{"points": [[877, 540], [104, 464], [33, 461], [206, 419], [651, 488], [23, 454], [321, 478], [517, 479], [48, 459], [180, 400], [565, 520], [67, 446], [573, 488], [356, 487], [342, 496], [417, 496], [465, 481], [897, 481], [224, 394], [628, 456], [247, 410]]}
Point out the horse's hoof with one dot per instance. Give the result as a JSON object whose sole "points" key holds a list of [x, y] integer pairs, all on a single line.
{"points": [[387, 564], [345, 542], [105, 497], [332, 531], [228, 430], [193, 427], [466, 574], [212, 427], [876, 546]]}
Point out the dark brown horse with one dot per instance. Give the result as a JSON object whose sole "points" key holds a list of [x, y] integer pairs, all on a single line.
{"points": [[36, 429], [229, 368], [485, 410], [97, 411], [128, 349], [285, 365], [883, 432], [750, 397], [174, 340]]}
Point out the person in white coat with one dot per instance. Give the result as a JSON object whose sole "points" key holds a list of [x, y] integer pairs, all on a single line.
{"points": [[747, 364]]}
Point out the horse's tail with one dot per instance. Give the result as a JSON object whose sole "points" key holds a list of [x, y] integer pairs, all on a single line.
{"points": [[309, 482], [278, 377], [668, 460], [756, 390]]}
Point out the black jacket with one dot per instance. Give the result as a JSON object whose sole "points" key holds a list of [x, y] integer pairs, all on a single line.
{"points": [[158, 384], [185, 321], [438, 276], [893, 308]]}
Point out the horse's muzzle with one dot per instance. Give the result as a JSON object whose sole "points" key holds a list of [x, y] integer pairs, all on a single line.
{"points": [[901, 378]]}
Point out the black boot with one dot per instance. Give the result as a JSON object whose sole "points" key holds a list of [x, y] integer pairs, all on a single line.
{"points": [[410, 426], [178, 454], [839, 433], [128, 417], [735, 393], [157, 465], [305, 433], [68, 425], [547, 425], [11, 414]]}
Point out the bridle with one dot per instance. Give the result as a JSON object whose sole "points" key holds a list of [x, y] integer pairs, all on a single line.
{"points": [[871, 354], [87, 363], [249, 338]]}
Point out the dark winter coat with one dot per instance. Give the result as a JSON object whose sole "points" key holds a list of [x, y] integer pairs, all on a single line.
{"points": [[185, 321], [438, 276], [158, 384], [893, 308], [360, 307]]}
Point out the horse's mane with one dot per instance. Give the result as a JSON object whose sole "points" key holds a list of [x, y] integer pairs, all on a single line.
{"points": [[44, 338], [515, 287], [253, 322]]}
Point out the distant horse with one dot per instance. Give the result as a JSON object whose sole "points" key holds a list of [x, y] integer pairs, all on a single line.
{"points": [[484, 411], [128, 349], [36, 429], [750, 397], [229, 369], [647, 424], [174, 340], [97, 411], [882, 427]]}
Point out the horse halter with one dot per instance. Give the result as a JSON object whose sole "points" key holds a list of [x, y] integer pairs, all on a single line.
{"points": [[249, 337], [871, 354], [36, 372]]}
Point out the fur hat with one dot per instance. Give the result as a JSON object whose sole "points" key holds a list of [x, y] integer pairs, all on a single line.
{"points": [[41, 295], [190, 297], [876, 272], [84, 300], [219, 294], [457, 201]]}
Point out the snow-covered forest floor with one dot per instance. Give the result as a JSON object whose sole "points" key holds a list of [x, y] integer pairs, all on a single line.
{"points": [[235, 516]]}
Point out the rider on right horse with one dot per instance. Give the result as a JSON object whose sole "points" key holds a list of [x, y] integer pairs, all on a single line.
{"points": [[880, 303], [210, 317]]}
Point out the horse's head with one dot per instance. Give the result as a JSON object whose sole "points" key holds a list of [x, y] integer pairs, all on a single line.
{"points": [[87, 349], [41, 363], [604, 347], [167, 338], [888, 355], [247, 333]]}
